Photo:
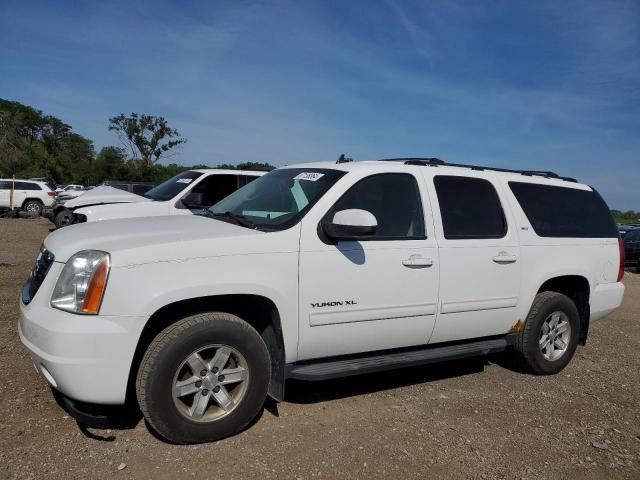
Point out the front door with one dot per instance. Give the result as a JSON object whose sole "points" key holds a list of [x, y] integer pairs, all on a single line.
{"points": [[374, 294]]}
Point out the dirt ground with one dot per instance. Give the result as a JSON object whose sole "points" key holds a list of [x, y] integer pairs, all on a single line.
{"points": [[471, 419]]}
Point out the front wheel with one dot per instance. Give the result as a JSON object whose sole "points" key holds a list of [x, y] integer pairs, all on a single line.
{"points": [[63, 218], [550, 334], [203, 378]]}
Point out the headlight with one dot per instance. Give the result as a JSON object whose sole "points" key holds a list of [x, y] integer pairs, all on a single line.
{"points": [[81, 284]]}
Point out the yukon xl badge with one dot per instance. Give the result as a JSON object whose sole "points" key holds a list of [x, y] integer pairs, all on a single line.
{"points": [[337, 303]]}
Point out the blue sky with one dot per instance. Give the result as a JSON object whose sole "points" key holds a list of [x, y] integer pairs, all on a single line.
{"points": [[540, 85]]}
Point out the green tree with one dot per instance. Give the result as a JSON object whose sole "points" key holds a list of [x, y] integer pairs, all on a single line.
{"points": [[244, 166], [33, 144], [145, 136]]}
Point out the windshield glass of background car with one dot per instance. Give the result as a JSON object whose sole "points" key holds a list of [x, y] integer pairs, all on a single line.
{"points": [[279, 199], [172, 187]]}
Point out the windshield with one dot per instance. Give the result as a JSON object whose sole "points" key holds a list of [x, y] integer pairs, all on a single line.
{"points": [[278, 200], [172, 187]]}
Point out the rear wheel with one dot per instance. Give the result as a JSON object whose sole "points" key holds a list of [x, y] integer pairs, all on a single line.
{"points": [[203, 378], [33, 207], [63, 218], [550, 335]]}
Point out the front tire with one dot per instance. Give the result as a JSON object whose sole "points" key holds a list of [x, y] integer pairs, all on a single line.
{"points": [[550, 334], [63, 218], [203, 378]]}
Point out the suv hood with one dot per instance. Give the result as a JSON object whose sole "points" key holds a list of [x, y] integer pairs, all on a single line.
{"points": [[141, 240], [104, 194]]}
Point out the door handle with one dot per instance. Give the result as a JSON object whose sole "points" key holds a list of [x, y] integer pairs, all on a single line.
{"points": [[417, 261], [504, 258]]}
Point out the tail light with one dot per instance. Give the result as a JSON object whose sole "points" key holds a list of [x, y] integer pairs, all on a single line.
{"points": [[622, 260], [51, 194]]}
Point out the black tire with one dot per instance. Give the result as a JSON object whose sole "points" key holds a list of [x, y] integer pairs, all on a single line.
{"points": [[63, 218], [638, 266], [33, 208], [166, 354], [527, 341]]}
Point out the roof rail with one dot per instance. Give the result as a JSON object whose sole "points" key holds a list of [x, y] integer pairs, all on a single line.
{"points": [[436, 162]]}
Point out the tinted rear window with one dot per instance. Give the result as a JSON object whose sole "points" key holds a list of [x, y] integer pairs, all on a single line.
{"points": [[27, 186], [564, 212], [470, 208]]}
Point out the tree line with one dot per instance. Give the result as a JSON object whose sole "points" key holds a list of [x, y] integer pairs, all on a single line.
{"points": [[627, 217], [33, 144]]}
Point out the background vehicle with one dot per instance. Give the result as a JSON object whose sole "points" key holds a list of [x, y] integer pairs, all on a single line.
{"points": [[632, 248], [68, 188], [108, 192], [319, 271], [29, 196], [624, 229], [186, 193], [139, 188]]}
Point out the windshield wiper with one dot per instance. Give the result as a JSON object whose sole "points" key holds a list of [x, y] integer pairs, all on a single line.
{"points": [[238, 219]]}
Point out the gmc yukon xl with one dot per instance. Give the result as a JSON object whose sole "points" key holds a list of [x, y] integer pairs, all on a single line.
{"points": [[318, 271]]}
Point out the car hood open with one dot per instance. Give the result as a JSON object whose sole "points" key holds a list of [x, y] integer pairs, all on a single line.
{"points": [[104, 194]]}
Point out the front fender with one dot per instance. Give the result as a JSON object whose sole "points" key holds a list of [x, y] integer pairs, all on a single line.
{"points": [[141, 290]]}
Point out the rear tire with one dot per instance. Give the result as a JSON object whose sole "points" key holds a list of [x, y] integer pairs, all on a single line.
{"points": [[33, 208], [550, 335], [63, 218], [184, 397]]}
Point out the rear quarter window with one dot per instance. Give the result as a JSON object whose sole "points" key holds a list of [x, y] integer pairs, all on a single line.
{"points": [[27, 186], [555, 211]]}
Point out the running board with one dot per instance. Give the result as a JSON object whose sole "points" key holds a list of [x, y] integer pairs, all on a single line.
{"points": [[344, 367]]}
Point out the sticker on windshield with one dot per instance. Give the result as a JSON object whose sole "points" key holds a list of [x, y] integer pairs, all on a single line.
{"points": [[184, 180], [310, 176]]}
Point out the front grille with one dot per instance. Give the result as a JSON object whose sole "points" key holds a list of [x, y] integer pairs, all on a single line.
{"points": [[38, 273]]}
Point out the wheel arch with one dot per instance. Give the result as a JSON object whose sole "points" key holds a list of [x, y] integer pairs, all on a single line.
{"points": [[577, 288], [32, 199], [257, 310]]}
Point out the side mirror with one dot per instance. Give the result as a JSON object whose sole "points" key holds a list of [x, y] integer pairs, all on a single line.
{"points": [[351, 224], [193, 200]]}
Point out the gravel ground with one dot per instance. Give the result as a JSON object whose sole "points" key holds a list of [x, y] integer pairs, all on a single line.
{"points": [[471, 419]]}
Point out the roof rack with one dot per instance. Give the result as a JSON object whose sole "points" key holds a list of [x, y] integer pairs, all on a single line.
{"points": [[436, 162]]}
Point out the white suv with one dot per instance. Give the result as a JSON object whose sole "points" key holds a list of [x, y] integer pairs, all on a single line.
{"points": [[187, 193], [28, 195], [318, 271]]}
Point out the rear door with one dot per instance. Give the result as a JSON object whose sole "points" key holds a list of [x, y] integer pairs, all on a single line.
{"points": [[21, 192], [479, 259]]}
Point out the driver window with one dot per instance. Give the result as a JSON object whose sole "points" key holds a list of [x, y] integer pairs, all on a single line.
{"points": [[394, 199], [212, 189]]}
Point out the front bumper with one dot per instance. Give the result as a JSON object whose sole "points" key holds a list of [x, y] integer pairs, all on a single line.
{"points": [[85, 357]]}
